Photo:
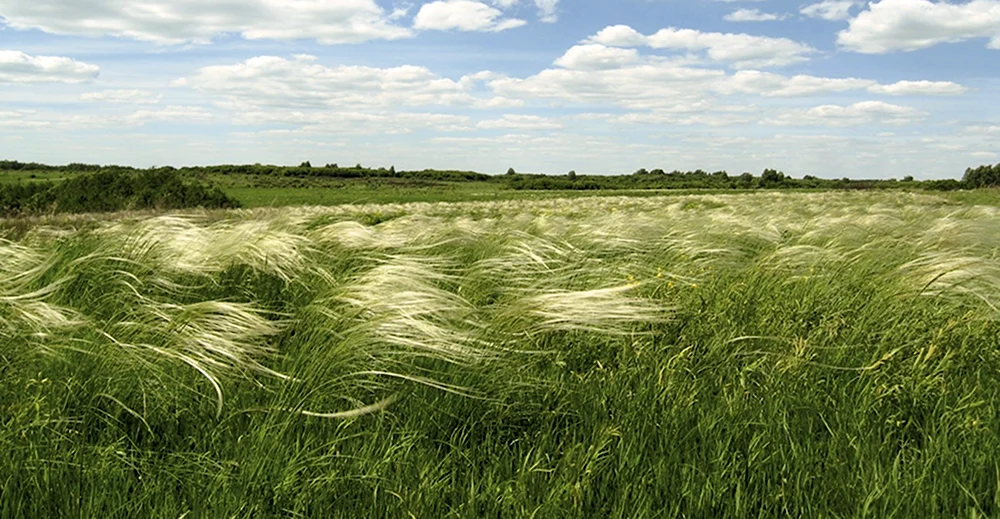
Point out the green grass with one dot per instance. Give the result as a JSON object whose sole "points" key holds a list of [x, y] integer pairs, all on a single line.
{"points": [[360, 193], [12, 177], [757, 355]]}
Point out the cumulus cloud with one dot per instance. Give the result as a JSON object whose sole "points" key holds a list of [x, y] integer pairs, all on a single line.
{"points": [[593, 74], [865, 112], [122, 96], [20, 120], [739, 50], [645, 85], [463, 15], [301, 82], [520, 122], [300, 92], [198, 21], [914, 88], [908, 25], [167, 114], [350, 122], [830, 10], [547, 10], [597, 57], [18, 67], [668, 117], [752, 15], [775, 85]]}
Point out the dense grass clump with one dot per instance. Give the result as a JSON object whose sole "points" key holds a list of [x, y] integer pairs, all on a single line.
{"points": [[819, 355], [107, 191]]}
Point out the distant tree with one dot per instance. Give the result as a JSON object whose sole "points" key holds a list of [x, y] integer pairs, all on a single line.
{"points": [[571, 175], [745, 181], [392, 170], [771, 178], [983, 176], [908, 178], [641, 171], [306, 164], [510, 171], [657, 172]]}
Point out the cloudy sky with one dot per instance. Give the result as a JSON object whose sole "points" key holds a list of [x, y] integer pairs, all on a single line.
{"points": [[837, 88]]}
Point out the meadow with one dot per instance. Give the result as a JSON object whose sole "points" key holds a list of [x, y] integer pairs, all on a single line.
{"points": [[769, 354]]}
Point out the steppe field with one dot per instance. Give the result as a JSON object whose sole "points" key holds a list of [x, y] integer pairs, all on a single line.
{"points": [[752, 355]]}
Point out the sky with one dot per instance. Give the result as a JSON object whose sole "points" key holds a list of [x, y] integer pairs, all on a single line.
{"points": [[832, 88]]}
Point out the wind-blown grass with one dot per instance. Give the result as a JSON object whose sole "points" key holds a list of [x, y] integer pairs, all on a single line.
{"points": [[827, 354]]}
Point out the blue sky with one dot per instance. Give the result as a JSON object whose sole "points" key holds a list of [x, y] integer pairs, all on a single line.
{"points": [[830, 88]]}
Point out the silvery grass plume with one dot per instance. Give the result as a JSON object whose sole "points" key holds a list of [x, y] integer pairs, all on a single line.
{"points": [[183, 244], [530, 261], [23, 309], [975, 228], [937, 273], [215, 338], [412, 231], [354, 235], [400, 309], [604, 311]]}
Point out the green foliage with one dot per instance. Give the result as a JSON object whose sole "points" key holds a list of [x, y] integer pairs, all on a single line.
{"points": [[111, 190], [657, 178], [982, 176], [754, 355]]}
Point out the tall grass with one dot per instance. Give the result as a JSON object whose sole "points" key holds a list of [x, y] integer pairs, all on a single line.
{"points": [[829, 355]]}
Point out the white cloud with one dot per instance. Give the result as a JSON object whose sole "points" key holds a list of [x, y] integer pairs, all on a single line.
{"points": [[463, 15], [597, 57], [198, 21], [913, 88], [865, 112], [830, 10], [674, 118], [349, 122], [300, 92], [167, 114], [300, 82], [775, 85], [981, 129], [752, 15], [547, 10], [619, 36], [645, 85], [908, 25], [520, 122], [740, 50], [122, 96], [18, 67], [20, 120]]}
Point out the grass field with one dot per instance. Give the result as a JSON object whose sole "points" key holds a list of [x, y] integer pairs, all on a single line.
{"points": [[753, 355]]}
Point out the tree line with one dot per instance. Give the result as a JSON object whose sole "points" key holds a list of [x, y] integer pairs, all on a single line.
{"points": [[304, 170], [722, 180], [93, 187]]}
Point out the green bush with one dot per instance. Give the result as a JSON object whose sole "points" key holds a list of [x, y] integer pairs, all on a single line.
{"points": [[106, 191]]}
